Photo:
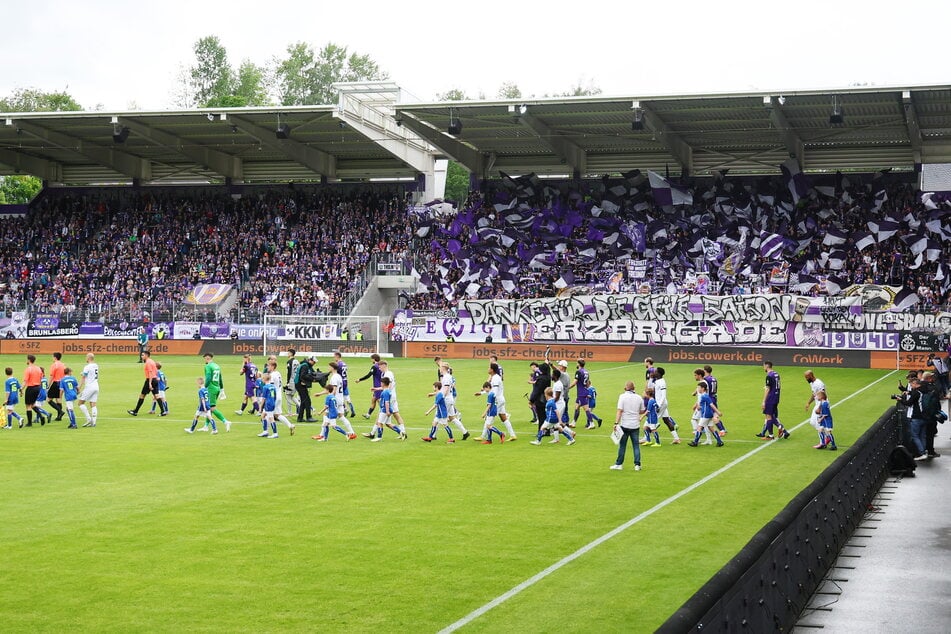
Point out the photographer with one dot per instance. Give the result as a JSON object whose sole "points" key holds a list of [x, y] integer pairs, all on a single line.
{"points": [[911, 401]]}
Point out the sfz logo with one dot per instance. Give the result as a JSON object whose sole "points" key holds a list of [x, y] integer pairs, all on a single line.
{"points": [[907, 343]]}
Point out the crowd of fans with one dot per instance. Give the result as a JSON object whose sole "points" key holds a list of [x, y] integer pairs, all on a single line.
{"points": [[672, 243], [117, 254]]}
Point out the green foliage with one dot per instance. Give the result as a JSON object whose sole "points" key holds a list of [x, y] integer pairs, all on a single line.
{"points": [[306, 77], [457, 183], [129, 514], [22, 188], [211, 75], [509, 90], [580, 90], [453, 94], [251, 84], [35, 100], [19, 189]]}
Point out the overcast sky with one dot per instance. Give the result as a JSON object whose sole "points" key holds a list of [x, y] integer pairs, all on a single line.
{"points": [[122, 53]]}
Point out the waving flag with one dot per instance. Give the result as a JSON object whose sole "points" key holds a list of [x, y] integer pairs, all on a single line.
{"points": [[667, 194]]}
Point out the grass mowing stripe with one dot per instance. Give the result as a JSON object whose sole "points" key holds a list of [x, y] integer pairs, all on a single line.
{"points": [[531, 581]]}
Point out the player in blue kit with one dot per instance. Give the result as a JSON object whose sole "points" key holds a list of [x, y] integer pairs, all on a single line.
{"points": [[553, 422], [13, 390], [706, 410], [204, 408], [250, 372], [331, 414], [491, 411], [771, 395], [442, 414], [268, 405], [652, 419], [376, 373], [824, 413], [70, 389], [384, 397], [159, 397]]}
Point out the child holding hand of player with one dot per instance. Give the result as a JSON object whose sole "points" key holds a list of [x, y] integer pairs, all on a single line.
{"points": [[442, 414]]}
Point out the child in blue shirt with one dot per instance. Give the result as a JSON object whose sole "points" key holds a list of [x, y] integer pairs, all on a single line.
{"points": [[14, 390], [204, 408], [70, 389], [442, 414]]}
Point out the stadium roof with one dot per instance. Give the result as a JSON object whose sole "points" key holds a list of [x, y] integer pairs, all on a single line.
{"points": [[371, 133]]}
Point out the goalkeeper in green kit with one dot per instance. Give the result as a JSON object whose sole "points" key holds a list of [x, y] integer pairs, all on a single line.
{"points": [[216, 390]]}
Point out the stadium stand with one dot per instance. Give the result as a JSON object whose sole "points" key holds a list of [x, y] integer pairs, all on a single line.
{"points": [[526, 239], [112, 255]]}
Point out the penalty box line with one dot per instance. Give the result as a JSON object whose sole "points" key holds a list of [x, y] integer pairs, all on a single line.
{"points": [[531, 581]]}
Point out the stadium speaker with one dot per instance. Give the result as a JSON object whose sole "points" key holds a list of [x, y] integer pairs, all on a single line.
{"points": [[120, 134], [455, 127], [283, 131], [638, 123]]}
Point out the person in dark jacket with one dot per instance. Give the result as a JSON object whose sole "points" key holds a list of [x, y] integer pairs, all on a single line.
{"points": [[537, 397], [911, 401]]}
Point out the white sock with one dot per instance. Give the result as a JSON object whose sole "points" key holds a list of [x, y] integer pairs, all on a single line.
{"points": [[85, 411], [458, 423], [508, 427], [95, 414], [675, 435], [347, 425], [283, 419]]}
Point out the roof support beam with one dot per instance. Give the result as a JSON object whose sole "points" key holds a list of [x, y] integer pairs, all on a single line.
{"points": [[215, 160], [122, 162], [472, 160], [573, 156], [778, 118], [41, 168], [675, 144], [911, 123], [369, 120], [316, 160]]}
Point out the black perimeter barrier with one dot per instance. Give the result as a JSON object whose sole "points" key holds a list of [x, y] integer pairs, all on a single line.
{"points": [[765, 587]]}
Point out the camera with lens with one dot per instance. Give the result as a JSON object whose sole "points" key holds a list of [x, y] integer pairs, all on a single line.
{"points": [[894, 397]]}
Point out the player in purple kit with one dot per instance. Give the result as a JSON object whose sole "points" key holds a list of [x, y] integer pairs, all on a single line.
{"points": [[250, 372], [771, 405], [712, 391], [377, 374], [582, 382]]}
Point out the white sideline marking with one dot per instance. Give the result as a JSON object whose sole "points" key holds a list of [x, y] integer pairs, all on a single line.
{"points": [[528, 583]]}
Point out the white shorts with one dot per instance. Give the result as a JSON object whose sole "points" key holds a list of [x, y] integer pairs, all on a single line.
{"points": [[161, 394], [489, 421], [90, 394], [10, 408], [814, 421], [560, 409], [441, 421], [394, 407], [662, 411], [500, 406], [341, 402], [330, 421], [383, 419], [704, 422], [198, 412]]}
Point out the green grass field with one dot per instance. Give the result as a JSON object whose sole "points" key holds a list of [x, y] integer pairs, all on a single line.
{"points": [[138, 526]]}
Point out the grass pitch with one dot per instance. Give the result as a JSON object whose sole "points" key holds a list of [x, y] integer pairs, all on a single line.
{"points": [[138, 526]]}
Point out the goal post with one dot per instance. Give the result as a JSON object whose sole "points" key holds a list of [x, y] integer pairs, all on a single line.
{"points": [[352, 335]]}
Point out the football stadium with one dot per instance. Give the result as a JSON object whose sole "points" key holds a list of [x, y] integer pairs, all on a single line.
{"points": [[672, 363]]}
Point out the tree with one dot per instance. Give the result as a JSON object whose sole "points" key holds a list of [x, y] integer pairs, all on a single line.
{"points": [[306, 77], [18, 189], [34, 100], [453, 94], [21, 188], [509, 90], [457, 183], [251, 84], [210, 78], [580, 90]]}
